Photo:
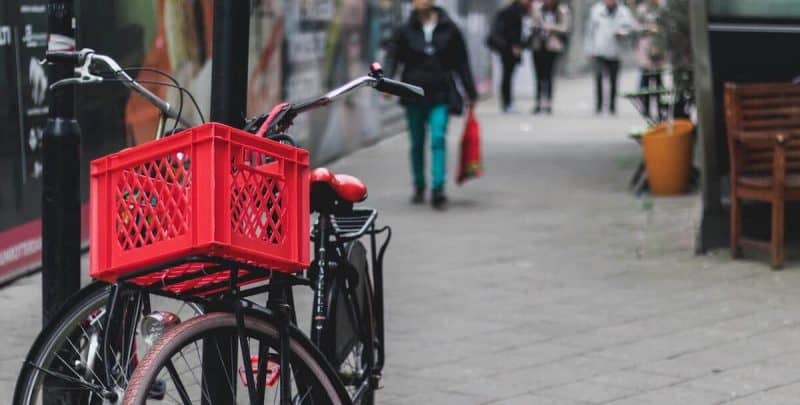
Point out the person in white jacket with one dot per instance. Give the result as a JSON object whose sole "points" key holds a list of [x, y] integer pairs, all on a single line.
{"points": [[609, 22]]}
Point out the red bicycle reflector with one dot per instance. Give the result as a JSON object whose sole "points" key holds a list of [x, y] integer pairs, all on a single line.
{"points": [[272, 375]]}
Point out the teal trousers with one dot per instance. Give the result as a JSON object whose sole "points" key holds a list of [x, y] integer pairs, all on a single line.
{"points": [[422, 118]]}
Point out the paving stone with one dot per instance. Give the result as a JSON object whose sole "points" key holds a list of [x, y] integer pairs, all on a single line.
{"points": [[673, 395], [588, 391], [563, 371], [636, 380], [529, 399], [435, 397]]}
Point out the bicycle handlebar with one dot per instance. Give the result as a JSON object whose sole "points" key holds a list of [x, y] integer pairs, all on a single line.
{"points": [[85, 57], [282, 117], [65, 57], [398, 88], [375, 80]]}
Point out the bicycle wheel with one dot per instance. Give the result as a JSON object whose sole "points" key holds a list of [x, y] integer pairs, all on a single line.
{"points": [[65, 365], [348, 340], [178, 359]]}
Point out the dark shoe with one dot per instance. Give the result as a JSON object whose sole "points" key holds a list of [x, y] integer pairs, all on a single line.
{"points": [[549, 110], [537, 109], [439, 200], [419, 196]]}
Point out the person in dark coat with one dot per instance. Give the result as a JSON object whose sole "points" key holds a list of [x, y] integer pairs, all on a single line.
{"points": [[506, 38], [430, 50]]}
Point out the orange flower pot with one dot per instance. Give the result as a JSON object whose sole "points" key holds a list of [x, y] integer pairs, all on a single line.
{"points": [[667, 151]]}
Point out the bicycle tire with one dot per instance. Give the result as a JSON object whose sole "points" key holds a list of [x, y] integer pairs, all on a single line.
{"points": [[221, 325], [88, 299], [347, 335], [55, 338]]}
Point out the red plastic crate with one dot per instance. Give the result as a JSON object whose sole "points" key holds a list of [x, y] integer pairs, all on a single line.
{"points": [[211, 190]]}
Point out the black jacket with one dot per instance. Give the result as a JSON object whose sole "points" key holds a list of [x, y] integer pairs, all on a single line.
{"points": [[431, 66], [507, 28]]}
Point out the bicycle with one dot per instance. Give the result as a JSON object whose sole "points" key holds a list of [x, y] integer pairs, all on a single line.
{"points": [[68, 347], [343, 359]]}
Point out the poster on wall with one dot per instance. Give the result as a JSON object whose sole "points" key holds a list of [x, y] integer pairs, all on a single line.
{"points": [[31, 47], [23, 40]]}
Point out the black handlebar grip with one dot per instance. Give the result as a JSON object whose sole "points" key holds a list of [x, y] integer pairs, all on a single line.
{"points": [[65, 57], [399, 89]]}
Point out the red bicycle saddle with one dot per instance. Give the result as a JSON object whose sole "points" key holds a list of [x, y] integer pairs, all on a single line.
{"points": [[347, 188]]}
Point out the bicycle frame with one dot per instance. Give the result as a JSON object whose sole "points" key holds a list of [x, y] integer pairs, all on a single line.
{"points": [[329, 246]]}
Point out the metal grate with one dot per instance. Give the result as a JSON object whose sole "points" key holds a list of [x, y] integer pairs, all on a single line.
{"points": [[353, 224]]}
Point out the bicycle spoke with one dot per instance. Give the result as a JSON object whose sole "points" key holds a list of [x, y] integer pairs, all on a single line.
{"points": [[78, 352], [303, 398], [80, 377], [225, 369], [178, 383], [119, 366], [203, 390], [64, 377]]}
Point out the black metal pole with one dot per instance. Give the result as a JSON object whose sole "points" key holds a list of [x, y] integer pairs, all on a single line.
{"points": [[229, 61], [61, 205], [228, 106]]}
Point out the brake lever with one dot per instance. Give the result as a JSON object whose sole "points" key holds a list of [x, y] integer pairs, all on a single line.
{"points": [[83, 79], [85, 76]]}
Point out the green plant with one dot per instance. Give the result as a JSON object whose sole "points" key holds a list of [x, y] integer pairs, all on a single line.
{"points": [[674, 33]]}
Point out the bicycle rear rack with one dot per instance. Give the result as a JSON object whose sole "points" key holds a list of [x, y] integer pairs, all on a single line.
{"points": [[262, 279], [355, 224], [352, 225]]}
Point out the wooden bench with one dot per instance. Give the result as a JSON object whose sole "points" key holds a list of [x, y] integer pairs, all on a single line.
{"points": [[763, 130]]}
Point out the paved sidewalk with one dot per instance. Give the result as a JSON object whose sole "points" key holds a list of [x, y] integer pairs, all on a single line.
{"points": [[547, 282]]}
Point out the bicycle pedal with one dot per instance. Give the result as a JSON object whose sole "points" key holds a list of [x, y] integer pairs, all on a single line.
{"points": [[157, 391]]}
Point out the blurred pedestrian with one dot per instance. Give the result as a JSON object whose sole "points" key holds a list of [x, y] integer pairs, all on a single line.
{"points": [[609, 22], [650, 55], [551, 25], [507, 39], [430, 50]]}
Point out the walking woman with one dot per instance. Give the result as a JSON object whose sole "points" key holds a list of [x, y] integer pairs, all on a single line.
{"points": [[430, 49], [551, 24]]}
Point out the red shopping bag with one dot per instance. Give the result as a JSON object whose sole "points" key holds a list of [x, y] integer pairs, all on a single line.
{"points": [[470, 165]]}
